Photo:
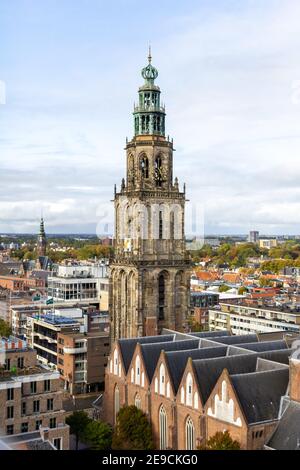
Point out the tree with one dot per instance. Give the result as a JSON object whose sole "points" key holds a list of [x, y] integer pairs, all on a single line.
{"points": [[133, 430], [78, 422], [5, 329], [224, 288], [221, 441], [98, 435], [242, 290]]}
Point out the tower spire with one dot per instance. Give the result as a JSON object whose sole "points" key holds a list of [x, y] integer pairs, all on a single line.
{"points": [[149, 54], [149, 115]]}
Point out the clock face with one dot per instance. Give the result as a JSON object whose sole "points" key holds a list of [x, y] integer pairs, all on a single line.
{"points": [[159, 174]]}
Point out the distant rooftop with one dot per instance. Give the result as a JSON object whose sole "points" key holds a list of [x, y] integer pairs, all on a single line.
{"points": [[55, 319]]}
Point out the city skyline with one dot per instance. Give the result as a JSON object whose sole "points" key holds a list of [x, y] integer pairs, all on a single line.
{"points": [[230, 80]]}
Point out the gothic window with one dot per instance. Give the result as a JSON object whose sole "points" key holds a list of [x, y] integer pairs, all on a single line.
{"points": [[162, 379], [145, 167], [147, 100], [163, 429], [190, 434], [116, 362], [160, 225], [189, 390], [158, 170], [117, 402], [137, 401], [161, 297], [137, 370]]}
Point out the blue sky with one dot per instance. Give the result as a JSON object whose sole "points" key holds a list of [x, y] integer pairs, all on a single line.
{"points": [[230, 78]]}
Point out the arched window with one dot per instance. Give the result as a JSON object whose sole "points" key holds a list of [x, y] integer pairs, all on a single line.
{"points": [[162, 379], [182, 395], [138, 401], [161, 297], [196, 401], [116, 362], [137, 370], [189, 390], [117, 402], [163, 429], [157, 170], [189, 434], [145, 167]]}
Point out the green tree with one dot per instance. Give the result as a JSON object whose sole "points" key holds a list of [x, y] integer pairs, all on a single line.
{"points": [[5, 329], [242, 290], [224, 288], [78, 422], [133, 430], [98, 435], [221, 441]]}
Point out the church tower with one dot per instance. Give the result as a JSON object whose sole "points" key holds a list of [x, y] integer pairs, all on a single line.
{"points": [[42, 242], [149, 275]]}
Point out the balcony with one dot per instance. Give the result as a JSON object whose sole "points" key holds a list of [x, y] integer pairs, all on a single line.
{"points": [[75, 350]]}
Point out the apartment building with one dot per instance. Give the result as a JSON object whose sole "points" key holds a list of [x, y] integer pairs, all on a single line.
{"points": [[81, 360], [76, 345], [242, 318], [30, 395], [200, 302], [80, 282]]}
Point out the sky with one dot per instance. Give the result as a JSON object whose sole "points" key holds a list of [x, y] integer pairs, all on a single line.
{"points": [[229, 72]]}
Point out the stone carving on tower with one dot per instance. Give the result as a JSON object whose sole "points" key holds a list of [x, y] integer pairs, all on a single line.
{"points": [[149, 275]]}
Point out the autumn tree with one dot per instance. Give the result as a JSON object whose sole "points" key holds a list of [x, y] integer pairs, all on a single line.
{"points": [[221, 441], [133, 430]]}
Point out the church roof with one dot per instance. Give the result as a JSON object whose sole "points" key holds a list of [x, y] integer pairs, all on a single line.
{"points": [[287, 433], [127, 345], [237, 339], [208, 371], [177, 360], [151, 352], [260, 393], [265, 345]]}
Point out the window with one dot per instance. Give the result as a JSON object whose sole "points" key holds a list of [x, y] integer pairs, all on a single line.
{"points": [[137, 401], [117, 402], [189, 390], [161, 297], [10, 394], [7, 364], [47, 385], [9, 412], [36, 406], [10, 429], [32, 387], [57, 443], [145, 167], [190, 434], [162, 379], [50, 404], [163, 436], [38, 423], [21, 362], [116, 362], [160, 225], [24, 427], [23, 408], [137, 370], [52, 423]]}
